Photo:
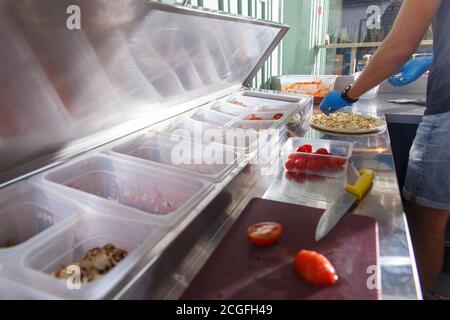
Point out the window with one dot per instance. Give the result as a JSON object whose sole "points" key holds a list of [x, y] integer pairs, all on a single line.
{"points": [[337, 36]]}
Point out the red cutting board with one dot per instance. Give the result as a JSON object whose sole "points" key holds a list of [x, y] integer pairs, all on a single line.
{"points": [[238, 270]]}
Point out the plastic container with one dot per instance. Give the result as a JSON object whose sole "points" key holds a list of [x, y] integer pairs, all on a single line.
{"points": [[194, 130], [212, 118], [27, 214], [229, 109], [208, 161], [255, 104], [11, 290], [317, 86], [68, 246], [164, 195], [266, 116], [317, 164]]}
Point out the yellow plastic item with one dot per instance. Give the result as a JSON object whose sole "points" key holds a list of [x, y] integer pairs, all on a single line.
{"points": [[363, 184]]}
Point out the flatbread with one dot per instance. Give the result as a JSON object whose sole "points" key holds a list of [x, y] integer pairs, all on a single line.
{"points": [[347, 122]]}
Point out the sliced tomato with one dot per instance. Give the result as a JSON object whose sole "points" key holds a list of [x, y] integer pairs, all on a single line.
{"points": [[278, 116], [315, 269], [264, 233]]}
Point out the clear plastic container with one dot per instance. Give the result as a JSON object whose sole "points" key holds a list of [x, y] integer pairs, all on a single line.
{"points": [[266, 116], [314, 85], [229, 109], [334, 165], [27, 214], [254, 104], [165, 195], [212, 118], [68, 246], [11, 290], [208, 161], [195, 130], [257, 126]]}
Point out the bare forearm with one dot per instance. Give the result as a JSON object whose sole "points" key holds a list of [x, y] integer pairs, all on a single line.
{"points": [[409, 29], [388, 59]]}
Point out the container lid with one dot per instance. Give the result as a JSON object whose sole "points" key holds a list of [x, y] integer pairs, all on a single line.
{"points": [[72, 74]]}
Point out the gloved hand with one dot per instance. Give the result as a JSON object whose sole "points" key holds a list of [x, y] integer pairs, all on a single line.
{"points": [[333, 102], [411, 71]]}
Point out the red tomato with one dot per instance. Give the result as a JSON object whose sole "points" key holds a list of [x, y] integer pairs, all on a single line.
{"points": [[336, 163], [322, 163], [315, 269], [300, 164], [290, 165], [278, 116], [322, 151], [306, 148], [264, 233], [313, 165]]}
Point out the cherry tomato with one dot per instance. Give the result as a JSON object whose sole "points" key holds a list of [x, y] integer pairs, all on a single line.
{"points": [[300, 164], [336, 163], [322, 163], [264, 233], [322, 151], [306, 148], [315, 269], [290, 165], [313, 165]]}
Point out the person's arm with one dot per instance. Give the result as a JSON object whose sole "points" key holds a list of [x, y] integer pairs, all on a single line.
{"points": [[410, 27]]}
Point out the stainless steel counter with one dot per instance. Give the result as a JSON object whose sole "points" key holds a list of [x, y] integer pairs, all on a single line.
{"points": [[177, 265]]}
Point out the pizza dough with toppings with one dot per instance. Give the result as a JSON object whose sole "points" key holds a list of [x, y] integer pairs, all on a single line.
{"points": [[347, 122]]}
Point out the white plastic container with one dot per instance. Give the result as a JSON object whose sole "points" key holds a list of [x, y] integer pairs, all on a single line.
{"points": [[266, 116], [212, 117], [69, 245], [229, 109], [207, 161], [315, 85], [27, 215], [11, 290], [165, 196], [341, 153], [255, 104]]}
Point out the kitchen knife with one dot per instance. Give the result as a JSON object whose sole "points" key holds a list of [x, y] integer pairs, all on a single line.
{"points": [[344, 203]]}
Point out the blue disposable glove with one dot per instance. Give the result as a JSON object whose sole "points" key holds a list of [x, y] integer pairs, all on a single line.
{"points": [[333, 102], [411, 71]]}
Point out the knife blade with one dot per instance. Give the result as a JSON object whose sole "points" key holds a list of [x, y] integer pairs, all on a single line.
{"points": [[336, 211]]}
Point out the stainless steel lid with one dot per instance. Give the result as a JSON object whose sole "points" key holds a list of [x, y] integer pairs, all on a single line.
{"points": [[62, 88]]}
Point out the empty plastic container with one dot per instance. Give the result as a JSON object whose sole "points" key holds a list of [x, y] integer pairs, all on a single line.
{"points": [[229, 109], [27, 214], [208, 161], [165, 195], [212, 117]]}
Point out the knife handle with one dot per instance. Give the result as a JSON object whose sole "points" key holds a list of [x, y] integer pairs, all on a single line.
{"points": [[363, 184]]}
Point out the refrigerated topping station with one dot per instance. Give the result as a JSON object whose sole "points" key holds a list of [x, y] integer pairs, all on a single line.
{"points": [[90, 119]]}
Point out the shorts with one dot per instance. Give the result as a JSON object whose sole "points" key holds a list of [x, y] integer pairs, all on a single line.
{"points": [[428, 176]]}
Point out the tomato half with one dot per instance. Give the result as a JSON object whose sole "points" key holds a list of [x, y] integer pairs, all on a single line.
{"points": [[264, 233], [315, 269]]}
